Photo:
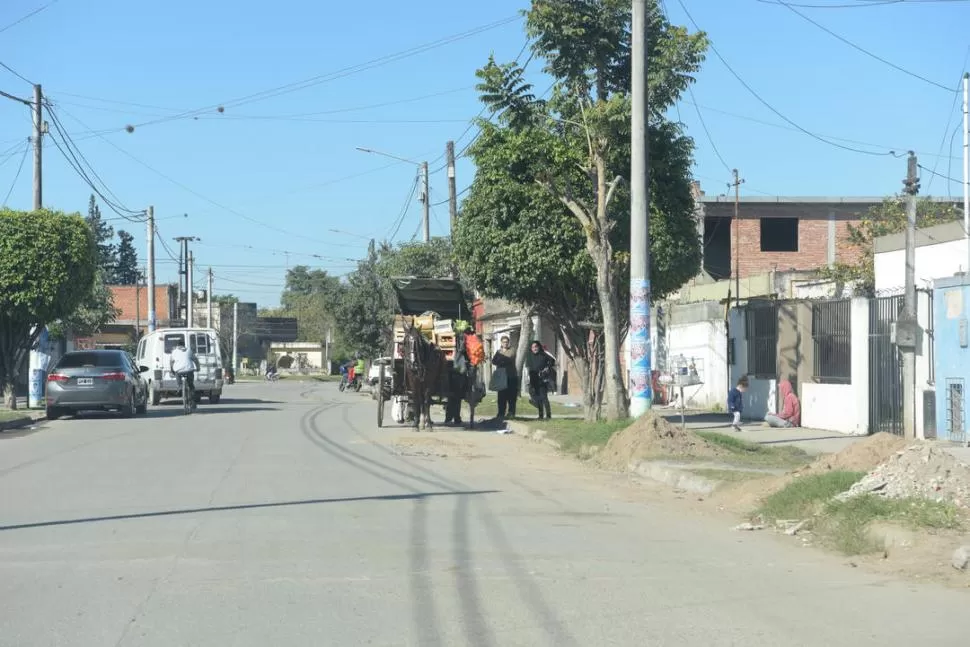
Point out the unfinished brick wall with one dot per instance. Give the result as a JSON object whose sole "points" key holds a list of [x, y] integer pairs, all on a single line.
{"points": [[126, 299], [813, 247]]}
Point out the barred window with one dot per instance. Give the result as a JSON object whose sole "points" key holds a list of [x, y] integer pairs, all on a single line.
{"points": [[761, 334], [832, 339]]}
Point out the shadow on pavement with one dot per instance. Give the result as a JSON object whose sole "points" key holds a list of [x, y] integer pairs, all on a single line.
{"points": [[203, 410], [244, 506]]}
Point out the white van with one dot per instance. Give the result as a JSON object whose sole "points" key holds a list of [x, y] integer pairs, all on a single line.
{"points": [[155, 350]]}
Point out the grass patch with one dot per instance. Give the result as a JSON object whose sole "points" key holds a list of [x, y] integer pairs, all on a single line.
{"points": [[806, 495], [727, 476], [743, 452], [7, 415], [844, 525], [575, 435], [488, 407]]}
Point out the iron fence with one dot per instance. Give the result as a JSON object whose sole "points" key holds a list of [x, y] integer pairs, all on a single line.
{"points": [[832, 339], [761, 334]]}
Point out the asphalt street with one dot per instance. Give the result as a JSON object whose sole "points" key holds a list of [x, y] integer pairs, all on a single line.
{"points": [[283, 516]]}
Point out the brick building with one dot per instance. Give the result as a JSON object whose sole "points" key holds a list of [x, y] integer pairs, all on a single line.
{"points": [[131, 301], [777, 234]]}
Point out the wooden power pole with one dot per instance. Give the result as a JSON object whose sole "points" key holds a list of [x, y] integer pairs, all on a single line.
{"points": [[737, 237]]}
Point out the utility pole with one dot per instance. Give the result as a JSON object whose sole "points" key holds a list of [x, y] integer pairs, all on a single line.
{"points": [[235, 336], [38, 147], [426, 199], [966, 166], [208, 296], [137, 307], [641, 386], [452, 189], [737, 237], [151, 269], [907, 327], [185, 286], [191, 291]]}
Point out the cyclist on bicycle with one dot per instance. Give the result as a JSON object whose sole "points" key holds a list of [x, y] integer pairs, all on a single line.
{"points": [[183, 363]]}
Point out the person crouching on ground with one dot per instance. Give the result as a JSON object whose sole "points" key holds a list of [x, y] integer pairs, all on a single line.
{"points": [[791, 408], [736, 402]]}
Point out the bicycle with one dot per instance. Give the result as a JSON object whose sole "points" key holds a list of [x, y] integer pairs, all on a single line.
{"points": [[188, 398]]}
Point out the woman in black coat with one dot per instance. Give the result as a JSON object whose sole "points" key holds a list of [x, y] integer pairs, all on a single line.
{"points": [[540, 366]]}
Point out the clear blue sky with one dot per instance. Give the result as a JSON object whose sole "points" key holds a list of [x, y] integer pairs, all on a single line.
{"points": [[314, 194]]}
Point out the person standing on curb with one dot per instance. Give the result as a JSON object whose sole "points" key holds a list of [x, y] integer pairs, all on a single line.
{"points": [[504, 362]]}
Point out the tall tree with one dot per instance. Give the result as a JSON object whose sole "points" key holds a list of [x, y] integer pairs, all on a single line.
{"points": [[574, 147], [126, 271], [107, 253], [47, 267], [882, 220]]}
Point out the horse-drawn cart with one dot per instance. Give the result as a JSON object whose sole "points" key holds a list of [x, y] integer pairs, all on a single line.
{"points": [[427, 364]]}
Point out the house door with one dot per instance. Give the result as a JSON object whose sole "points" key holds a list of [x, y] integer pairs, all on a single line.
{"points": [[885, 368]]}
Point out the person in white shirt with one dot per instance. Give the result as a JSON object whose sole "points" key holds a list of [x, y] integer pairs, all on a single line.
{"points": [[183, 363]]}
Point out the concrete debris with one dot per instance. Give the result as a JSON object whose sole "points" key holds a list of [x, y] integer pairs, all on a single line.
{"points": [[793, 530], [961, 558], [919, 471], [749, 526]]}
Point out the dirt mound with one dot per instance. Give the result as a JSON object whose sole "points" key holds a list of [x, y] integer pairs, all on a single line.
{"points": [[919, 471], [861, 456], [651, 436]]}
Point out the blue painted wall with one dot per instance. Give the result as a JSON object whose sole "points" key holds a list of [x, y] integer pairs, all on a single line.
{"points": [[951, 297]]}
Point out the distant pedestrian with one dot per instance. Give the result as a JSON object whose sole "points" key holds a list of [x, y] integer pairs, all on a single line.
{"points": [[505, 379], [736, 402], [541, 378]]}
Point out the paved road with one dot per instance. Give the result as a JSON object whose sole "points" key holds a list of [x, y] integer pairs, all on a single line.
{"points": [[282, 517]]}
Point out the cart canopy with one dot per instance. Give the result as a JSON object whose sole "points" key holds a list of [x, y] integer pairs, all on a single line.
{"points": [[444, 296]]}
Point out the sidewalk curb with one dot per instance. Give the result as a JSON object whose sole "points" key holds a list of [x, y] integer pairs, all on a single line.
{"points": [[535, 435], [677, 476], [20, 423]]}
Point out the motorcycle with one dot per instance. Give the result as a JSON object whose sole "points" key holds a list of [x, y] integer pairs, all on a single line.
{"points": [[272, 377], [353, 385]]}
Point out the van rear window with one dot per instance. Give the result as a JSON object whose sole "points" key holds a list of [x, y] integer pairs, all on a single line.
{"points": [[172, 341], [200, 344]]}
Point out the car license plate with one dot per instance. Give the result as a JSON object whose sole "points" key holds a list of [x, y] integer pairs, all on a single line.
{"points": [[85, 381]]}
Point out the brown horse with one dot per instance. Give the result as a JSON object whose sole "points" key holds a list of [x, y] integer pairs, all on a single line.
{"points": [[423, 365]]}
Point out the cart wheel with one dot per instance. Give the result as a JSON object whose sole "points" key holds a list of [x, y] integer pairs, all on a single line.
{"points": [[380, 398]]}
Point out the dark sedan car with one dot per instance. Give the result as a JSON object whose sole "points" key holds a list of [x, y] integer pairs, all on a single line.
{"points": [[105, 380]]}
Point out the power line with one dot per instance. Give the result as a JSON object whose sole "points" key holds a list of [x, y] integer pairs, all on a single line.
{"points": [[707, 131], [17, 176], [772, 108], [404, 210], [15, 73], [338, 74], [29, 15], [784, 127], [864, 4], [940, 175], [77, 161], [860, 48]]}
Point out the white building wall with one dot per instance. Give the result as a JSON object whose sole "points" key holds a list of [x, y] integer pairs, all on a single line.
{"points": [[843, 408], [705, 344], [932, 262]]}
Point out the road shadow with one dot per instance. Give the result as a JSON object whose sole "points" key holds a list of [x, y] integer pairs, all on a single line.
{"points": [[703, 418], [244, 506], [203, 410]]}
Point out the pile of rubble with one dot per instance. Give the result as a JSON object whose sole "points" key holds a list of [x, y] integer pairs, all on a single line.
{"points": [[918, 471]]}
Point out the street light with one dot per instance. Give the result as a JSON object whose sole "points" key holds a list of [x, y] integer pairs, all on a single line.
{"points": [[425, 192]]}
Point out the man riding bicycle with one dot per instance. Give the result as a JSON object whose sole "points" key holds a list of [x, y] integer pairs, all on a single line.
{"points": [[183, 364]]}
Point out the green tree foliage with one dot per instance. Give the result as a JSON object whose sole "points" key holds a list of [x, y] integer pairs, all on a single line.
{"points": [[107, 258], [882, 220], [47, 267], [546, 223], [126, 270]]}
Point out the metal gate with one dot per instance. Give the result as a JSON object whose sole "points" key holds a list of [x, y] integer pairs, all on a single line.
{"points": [[885, 368]]}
